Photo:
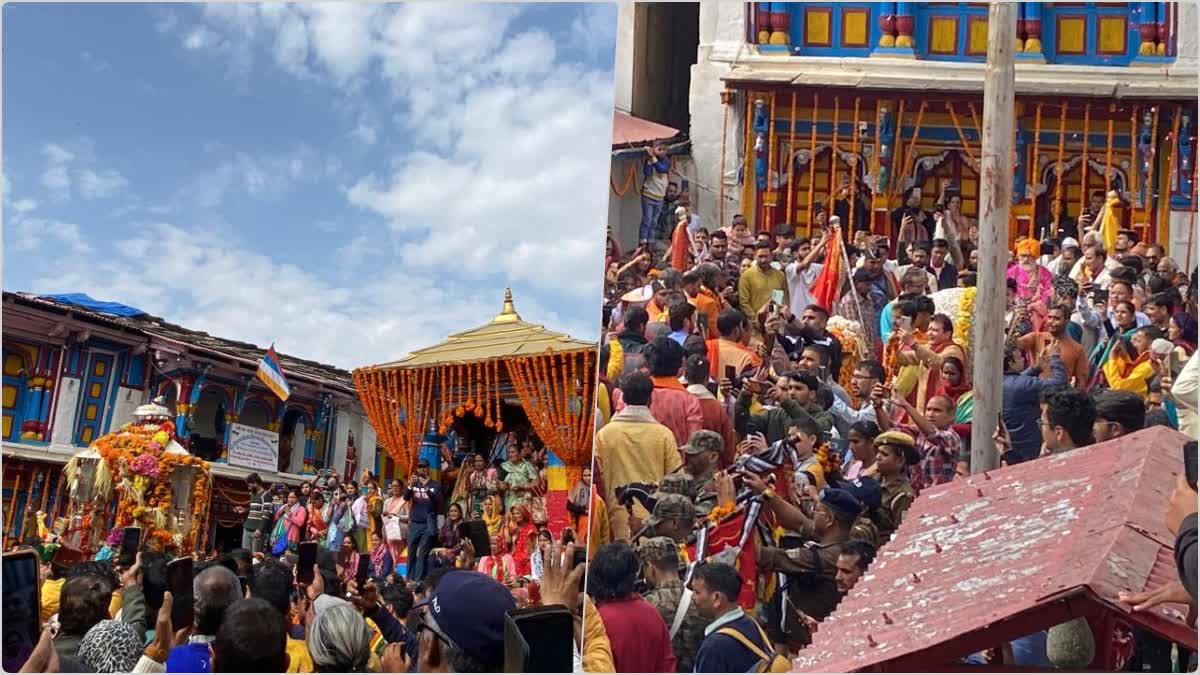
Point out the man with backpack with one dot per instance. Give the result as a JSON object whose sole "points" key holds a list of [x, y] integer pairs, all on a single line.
{"points": [[733, 642]]}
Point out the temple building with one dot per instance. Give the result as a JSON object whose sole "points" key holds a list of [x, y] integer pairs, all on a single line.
{"points": [[1105, 100], [75, 369]]}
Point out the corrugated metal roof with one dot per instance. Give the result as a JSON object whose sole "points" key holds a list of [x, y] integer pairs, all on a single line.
{"points": [[154, 326], [504, 336], [629, 130], [975, 553]]}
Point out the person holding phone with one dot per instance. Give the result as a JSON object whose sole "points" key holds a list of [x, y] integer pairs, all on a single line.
{"points": [[424, 496], [757, 284], [257, 524]]}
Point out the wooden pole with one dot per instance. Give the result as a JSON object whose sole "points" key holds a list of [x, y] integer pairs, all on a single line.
{"points": [[812, 163], [853, 171], [1083, 162], [1058, 168], [837, 111], [1036, 165], [875, 162], [995, 202], [1162, 236], [769, 209], [791, 166], [1108, 149]]}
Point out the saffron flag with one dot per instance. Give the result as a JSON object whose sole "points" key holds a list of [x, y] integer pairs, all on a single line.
{"points": [[272, 375], [829, 280], [732, 541]]}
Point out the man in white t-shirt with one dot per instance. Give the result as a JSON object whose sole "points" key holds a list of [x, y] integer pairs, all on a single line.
{"points": [[803, 271]]}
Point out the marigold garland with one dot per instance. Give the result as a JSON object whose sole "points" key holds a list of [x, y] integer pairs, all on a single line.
{"points": [[145, 494]]}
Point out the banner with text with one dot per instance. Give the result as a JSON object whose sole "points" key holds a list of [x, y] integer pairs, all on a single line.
{"points": [[253, 448]]}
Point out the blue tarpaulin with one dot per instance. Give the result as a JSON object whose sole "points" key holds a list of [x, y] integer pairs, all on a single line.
{"points": [[86, 302]]}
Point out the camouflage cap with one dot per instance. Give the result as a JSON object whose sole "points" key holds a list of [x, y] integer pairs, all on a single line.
{"points": [[704, 441], [658, 550], [672, 506], [678, 483]]}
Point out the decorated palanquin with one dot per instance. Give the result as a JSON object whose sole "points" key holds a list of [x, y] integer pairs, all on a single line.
{"points": [[138, 476], [474, 374]]}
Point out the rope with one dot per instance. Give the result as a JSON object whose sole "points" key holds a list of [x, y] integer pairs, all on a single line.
{"points": [[1083, 181], [791, 165], [961, 136], [875, 161], [1037, 165], [1112, 111], [1062, 144], [854, 167], [837, 118], [812, 163]]}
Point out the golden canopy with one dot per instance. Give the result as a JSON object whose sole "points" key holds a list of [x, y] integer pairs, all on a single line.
{"points": [[553, 375]]}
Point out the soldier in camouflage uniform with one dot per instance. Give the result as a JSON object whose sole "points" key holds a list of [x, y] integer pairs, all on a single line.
{"points": [[701, 457], [660, 569], [674, 516]]}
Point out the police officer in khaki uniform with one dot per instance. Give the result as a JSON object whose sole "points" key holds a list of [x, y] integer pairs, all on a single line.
{"points": [[660, 570], [810, 570], [896, 454]]}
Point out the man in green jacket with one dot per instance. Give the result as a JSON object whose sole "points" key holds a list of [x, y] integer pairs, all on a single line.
{"points": [[795, 397]]}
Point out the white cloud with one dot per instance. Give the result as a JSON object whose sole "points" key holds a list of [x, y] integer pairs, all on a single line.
{"points": [[25, 233], [201, 38], [250, 297], [94, 62], [57, 178], [24, 205], [364, 133], [259, 177], [98, 185], [595, 29]]}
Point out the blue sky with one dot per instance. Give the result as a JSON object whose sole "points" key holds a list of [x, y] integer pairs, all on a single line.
{"points": [[348, 181]]}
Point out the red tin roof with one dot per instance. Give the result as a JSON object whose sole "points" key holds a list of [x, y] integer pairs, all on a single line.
{"points": [[633, 131], [984, 560]]}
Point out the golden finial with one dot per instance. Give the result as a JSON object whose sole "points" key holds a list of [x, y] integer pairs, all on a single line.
{"points": [[509, 313]]}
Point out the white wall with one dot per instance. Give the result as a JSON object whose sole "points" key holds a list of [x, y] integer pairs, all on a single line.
{"points": [[721, 30], [128, 401], [66, 412], [366, 440], [1187, 52], [623, 69], [1180, 224], [342, 425]]}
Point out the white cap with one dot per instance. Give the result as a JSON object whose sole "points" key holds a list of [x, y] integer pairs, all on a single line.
{"points": [[1162, 347]]}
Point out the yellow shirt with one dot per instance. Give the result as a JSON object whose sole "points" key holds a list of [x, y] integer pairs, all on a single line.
{"points": [[754, 291], [299, 660], [633, 448], [51, 590]]}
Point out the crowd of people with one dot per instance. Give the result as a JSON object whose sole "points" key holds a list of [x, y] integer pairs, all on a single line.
{"points": [[429, 601], [752, 457], [413, 527]]}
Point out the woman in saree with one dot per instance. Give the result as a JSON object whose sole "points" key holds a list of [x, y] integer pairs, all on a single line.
{"points": [[520, 477], [382, 562], [500, 564], [449, 540], [1182, 333], [493, 514], [340, 519], [347, 559], [395, 519], [1128, 367], [374, 510], [578, 499], [519, 534], [1120, 327], [477, 484]]}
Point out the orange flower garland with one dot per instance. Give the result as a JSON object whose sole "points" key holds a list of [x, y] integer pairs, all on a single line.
{"points": [[119, 450]]}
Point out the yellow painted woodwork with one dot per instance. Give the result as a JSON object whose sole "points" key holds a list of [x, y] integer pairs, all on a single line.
{"points": [[10, 396], [854, 28], [94, 392], [1072, 32], [943, 35], [90, 412], [13, 364], [1112, 34], [816, 26], [86, 436], [100, 368], [977, 37], [8, 424]]}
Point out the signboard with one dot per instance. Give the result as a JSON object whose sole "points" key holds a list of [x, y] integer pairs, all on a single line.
{"points": [[253, 448]]}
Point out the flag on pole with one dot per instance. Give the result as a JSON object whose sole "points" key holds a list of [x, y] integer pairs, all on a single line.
{"points": [[272, 375], [829, 280]]}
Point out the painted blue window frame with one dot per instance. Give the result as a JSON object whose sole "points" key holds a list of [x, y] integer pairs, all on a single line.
{"points": [[796, 10], [963, 11], [1092, 11]]}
